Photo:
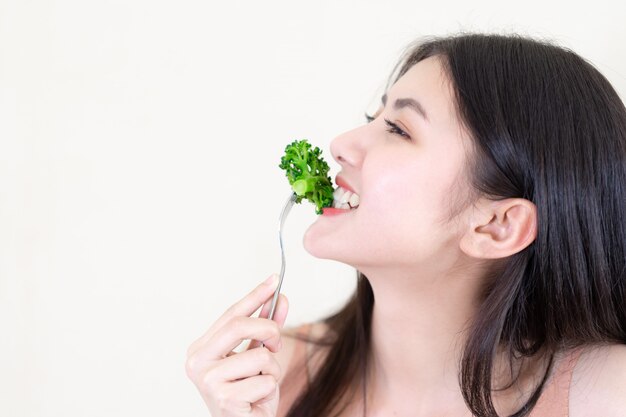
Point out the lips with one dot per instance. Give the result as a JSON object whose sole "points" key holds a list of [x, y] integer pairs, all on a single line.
{"points": [[343, 184]]}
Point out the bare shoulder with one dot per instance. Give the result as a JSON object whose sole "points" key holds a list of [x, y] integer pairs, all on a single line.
{"points": [[598, 384], [289, 340]]}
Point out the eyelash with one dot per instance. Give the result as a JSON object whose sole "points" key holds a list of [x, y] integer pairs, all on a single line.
{"points": [[392, 127]]}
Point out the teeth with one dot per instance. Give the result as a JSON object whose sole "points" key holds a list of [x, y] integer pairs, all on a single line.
{"points": [[344, 199], [354, 200]]}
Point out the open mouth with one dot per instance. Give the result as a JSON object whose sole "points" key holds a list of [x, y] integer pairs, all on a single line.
{"points": [[345, 200]]}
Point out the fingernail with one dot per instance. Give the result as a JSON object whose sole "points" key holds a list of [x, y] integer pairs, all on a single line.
{"points": [[271, 280]]}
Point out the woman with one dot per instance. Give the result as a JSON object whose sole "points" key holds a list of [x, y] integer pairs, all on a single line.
{"points": [[490, 245]]}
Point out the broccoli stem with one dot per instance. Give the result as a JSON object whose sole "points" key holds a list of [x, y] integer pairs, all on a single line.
{"points": [[303, 186]]}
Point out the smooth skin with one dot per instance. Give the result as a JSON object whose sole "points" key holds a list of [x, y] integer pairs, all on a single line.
{"points": [[424, 249], [230, 383], [425, 252], [425, 257]]}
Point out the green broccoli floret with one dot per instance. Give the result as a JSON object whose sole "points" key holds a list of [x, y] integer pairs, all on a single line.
{"points": [[307, 173]]}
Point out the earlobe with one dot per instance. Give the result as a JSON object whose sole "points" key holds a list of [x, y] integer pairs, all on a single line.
{"points": [[502, 228]]}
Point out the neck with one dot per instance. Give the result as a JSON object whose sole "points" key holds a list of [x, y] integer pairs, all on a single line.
{"points": [[419, 327]]}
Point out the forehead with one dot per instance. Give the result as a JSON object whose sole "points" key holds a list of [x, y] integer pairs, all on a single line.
{"points": [[428, 83]]}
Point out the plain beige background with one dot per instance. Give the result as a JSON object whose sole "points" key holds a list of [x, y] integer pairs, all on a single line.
{"points": [[139, 188]]}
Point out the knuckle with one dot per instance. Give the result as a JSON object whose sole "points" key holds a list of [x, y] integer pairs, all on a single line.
{"points": [[190, 367], [276, 329], [223, 401], [273, 330], [269, 383], [190, 350], [263, 355], [207, 385]]}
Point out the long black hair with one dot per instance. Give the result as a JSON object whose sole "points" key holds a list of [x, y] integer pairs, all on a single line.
{"points": [[548, 127]]}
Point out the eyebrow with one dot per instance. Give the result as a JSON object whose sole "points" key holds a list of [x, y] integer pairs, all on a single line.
{"points": [[407, 102]]}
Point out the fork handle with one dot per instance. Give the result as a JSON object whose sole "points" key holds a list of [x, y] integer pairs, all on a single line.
{"points": [[281, 221]]}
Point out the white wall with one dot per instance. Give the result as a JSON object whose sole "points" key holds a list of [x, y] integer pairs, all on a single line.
{"points": [[139, 188]]}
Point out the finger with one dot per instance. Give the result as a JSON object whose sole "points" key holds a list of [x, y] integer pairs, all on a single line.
{"points": [[244, 307], [255, 299], [280, 315], [280, 311], [207, 359], [246, 364], [233, 333], [256, 389]]}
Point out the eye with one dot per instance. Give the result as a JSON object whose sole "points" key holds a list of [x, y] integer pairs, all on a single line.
{"points": [[393, 128], [369, 118]]}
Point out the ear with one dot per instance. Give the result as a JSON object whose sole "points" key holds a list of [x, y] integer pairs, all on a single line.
{"points": [[497, 229]]}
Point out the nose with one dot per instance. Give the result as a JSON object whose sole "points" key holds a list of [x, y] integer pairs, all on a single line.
{"points": [[348, 149]]}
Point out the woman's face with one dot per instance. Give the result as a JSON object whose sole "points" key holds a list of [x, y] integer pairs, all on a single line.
{"points": [[404, 171]]}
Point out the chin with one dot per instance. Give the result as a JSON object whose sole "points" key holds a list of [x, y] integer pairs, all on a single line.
{"points": [[324, 246], [321, 244], [315, 244]]}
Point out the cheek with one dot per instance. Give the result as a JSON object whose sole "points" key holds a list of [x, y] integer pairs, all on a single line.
{"points": [[411, 190], [404, 207], [399, 221]]}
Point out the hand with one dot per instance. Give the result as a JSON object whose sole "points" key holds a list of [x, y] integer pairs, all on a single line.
{"points": [[246, 383]]}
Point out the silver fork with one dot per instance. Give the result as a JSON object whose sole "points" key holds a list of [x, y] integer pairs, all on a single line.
{"points": [[281, 221]]}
